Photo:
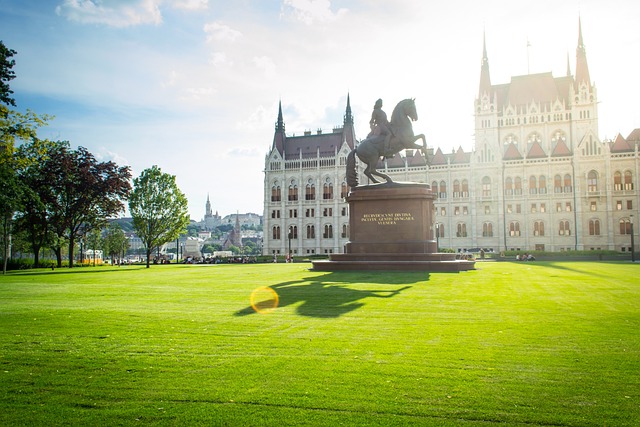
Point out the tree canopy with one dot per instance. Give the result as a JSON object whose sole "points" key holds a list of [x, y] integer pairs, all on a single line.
{"points": [[158, 208]]}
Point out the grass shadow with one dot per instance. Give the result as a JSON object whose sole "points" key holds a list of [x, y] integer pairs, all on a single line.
{"points": [[330, 296]]}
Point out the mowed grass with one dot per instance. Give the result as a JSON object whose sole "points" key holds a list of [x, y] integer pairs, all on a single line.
{"points": [[507, 344]]}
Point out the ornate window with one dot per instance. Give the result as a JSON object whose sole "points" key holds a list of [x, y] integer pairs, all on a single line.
{"points": [[538, 228], [568, 186], [542, 185], [310, 191], [564, 229], [461, 230], [617, 181], [293, 191], [311, 232], [344, 190], [592, 181], [456, 189], [276, 195], [625, 226], [465, 188], [276, 232], [327, 190], [557, 184], [328, 231], [628, 180], [517, 186], [442, 194], [514, 229], [508, 186], [533, 185], [345, 231], [486, 186], [594, 227], [487, 229]]}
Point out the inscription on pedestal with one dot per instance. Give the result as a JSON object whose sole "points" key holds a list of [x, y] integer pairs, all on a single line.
{"points": [[387, 218]]}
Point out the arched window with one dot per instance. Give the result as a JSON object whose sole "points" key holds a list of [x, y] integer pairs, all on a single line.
{"points": [[508, 186], [486, 186], [327, 190], [533, 185], [311, 232], [443, 190], [628, 180], [594, 227], [625, 226], [592, 181], [440, 229], [465, 188], [293, 231], [517, 186], [514, 229], [344, 190], [568, 187], [538, 228], [328, 232], [276, 232], [461, 230], [557, 184], [542, 185], [275, 193], [487, 229], [345, 231], [617, 181], [434, 188], [293, 191], [310, 191], [564, 229], [456, 189]]}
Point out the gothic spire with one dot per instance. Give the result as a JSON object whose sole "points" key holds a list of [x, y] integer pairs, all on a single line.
{"points": [[280, 122], [348, 117], [582, 68], [279, 136], [485, 78]]}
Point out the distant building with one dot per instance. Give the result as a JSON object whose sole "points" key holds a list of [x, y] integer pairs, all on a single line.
{"points": [[211, 220], [538, 178]]}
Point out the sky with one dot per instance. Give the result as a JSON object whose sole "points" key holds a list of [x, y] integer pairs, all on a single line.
{"points": [[193, 86]]}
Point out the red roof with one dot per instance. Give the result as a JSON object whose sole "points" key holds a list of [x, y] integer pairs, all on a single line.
{"points": [[512, 153], [536, 151], [620, 145]]}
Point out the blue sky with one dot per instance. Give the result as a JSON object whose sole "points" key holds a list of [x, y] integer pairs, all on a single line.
{"points": [[193, 85]]}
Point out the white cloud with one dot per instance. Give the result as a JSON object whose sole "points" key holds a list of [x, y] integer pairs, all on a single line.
{"points": [[217, 31], [219, 59], [114, 13], [309, 11], [265, 64], [190, 4]]}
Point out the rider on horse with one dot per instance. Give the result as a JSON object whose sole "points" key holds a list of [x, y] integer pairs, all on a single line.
{"points": [[381, 126]]}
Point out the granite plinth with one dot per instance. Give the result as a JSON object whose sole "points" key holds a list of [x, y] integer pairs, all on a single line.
{"points": [[391, 228]]}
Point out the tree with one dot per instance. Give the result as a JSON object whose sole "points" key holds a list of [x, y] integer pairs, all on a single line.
{"points": [[115, 241], [6, 74], [94, 241], [158, 208], [87, 193]]}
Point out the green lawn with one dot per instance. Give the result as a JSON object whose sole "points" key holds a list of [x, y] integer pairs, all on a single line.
{"points": [[510, 343]]}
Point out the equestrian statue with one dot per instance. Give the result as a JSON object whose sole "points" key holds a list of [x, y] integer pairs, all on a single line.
{"points": [[385, 140]]}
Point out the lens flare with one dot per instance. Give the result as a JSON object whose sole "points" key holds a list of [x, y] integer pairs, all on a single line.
{"points": [[264, 300]]}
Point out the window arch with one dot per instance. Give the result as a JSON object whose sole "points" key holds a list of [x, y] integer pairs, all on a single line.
{"points": [[514, 228], [538, 228], [461, 230], [508, 186], [276, 195], [345, 231], [563, 228], [625, 226], [328, 231], [517, 186], [486, 186], [465, 188], [310, 190], [344, 190], [442, 193], [293, 232], [487, 229], [533, 185], [434, 188], [542, 184], [628, 180], [557, 184], [311, 231], [327, 190], [456, 189], [594, 227], [276, 232], [439, 229], [617, 181], [592, 181], [293, 191], [568, 186]]}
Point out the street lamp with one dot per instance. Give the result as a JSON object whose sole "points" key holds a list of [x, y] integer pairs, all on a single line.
{"points": [[437, 237], [290, 237], [633, 251]]}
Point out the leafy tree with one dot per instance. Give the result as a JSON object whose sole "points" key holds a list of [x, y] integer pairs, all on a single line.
{"points": [[6, 74], [115, 241], [158, 207], [87, 193], [94, 242]]}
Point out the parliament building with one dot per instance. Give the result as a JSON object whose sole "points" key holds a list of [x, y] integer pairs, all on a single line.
{"points": [[538, 178]]}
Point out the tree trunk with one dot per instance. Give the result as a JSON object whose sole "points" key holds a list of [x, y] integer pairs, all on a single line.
{"points": [[148, 256], [36, 256], [71, 244], [58, 252]]}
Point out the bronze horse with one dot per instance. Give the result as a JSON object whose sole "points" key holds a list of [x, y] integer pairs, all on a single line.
{"points": [[371, 149]]}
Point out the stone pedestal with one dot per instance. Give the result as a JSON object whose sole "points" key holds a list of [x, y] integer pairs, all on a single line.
{"points": [[391, 228]]}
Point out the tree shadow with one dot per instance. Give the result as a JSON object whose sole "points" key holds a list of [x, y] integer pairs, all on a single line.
{"points": [[330, 296]]}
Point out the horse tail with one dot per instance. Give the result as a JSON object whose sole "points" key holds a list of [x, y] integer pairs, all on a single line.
{"points": [[352, 173]]}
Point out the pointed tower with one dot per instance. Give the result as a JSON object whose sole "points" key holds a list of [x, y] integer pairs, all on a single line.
{"points": [[207, 210], [582, 68], [485, 78], [279, 136], [348, 126]]}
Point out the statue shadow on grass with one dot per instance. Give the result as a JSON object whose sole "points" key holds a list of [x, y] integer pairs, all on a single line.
{"points": [[330, 296]]}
